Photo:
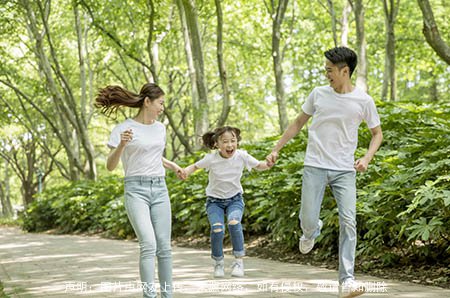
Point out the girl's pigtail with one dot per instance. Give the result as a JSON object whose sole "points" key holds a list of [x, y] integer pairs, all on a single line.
{"points": [[208, 140]]}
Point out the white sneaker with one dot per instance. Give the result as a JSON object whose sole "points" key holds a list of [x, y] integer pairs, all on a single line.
{"points": [[237, 268], [350, 288], [219, 269], [306, 245]]}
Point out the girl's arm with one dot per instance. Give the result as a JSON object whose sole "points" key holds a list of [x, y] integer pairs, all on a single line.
{"points": [[190, 169], [262, 166], [174, 167]]}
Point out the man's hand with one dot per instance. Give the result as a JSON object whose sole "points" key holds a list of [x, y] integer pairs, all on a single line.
{"points": [[272, 158], [361, 164]]}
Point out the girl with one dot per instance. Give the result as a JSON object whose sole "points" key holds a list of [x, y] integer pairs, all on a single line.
{"points": [[224, 192], [139, 142]]}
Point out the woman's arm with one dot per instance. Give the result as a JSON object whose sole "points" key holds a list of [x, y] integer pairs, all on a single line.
{"points": [[174, 167]]}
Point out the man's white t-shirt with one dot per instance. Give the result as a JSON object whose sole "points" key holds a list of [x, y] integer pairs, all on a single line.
{"points": [[225, 173], [333, 133], [143, 155]]}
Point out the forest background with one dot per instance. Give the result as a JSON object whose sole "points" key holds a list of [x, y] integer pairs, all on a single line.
{"points": [[249, 64]]}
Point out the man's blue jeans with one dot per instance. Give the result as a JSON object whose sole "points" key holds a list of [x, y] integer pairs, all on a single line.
{"points": [[148, 208], [343, 186], [233, 208]]}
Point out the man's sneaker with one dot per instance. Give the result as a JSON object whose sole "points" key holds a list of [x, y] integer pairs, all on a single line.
{"points": [[237, 268], [305, 245], [218, 269], [350, 288]]}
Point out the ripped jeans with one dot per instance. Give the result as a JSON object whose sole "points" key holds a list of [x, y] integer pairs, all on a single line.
{"points": [[233, 208]]}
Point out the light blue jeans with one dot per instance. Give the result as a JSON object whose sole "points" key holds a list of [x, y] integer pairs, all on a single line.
{"points": [[233, 208], [148, 207], [343, 186]]}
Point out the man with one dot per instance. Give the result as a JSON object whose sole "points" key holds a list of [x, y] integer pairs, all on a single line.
{"points": [[337, 111]]}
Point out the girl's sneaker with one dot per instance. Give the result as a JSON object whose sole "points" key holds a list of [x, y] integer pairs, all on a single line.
{"points": [[219, 269], [237, 268]]}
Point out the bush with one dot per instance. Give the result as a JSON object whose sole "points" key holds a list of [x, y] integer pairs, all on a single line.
{"points": [[402, 209], [82, 206]]}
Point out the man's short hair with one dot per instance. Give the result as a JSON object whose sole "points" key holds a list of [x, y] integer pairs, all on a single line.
{"points": [[342, 56]]}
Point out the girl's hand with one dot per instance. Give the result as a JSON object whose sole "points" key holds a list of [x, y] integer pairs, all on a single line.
{"points": [[181, 174], [126, 137]]}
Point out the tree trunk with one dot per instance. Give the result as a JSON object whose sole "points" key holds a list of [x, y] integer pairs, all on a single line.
{"points": [[5, 195], [345, 23], [91, 168], [202, 124], [194, 56], [333, 21], [389, 77], [361, 75], [277, 63], [431, 32], [226, 106]]}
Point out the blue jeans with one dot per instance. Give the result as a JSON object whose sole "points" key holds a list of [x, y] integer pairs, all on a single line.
{"points": [[233, 208], [343, 186], [148, 207]]}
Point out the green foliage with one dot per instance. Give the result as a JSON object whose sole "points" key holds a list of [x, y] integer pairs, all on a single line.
{"points": [[84, 206], [403, 199], [402, 209]]}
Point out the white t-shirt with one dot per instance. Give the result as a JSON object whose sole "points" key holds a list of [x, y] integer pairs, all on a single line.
{"points": [[225, 173], [143, 155], [333, 134]]}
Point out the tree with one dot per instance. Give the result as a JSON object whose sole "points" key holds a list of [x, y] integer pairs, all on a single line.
{"points": [[5, 194], [390, 8], [68, 117], [277, 12], [345, 21], [361, 70], [431, 32], [226, 107], [201, 123]]}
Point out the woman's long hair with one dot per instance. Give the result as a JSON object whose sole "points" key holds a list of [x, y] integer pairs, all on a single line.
{"points": [[110, 98]]}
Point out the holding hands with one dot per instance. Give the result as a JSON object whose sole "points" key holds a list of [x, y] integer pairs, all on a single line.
{"points": [[272, 158]]}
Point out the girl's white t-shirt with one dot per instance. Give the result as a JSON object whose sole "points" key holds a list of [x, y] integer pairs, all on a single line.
{"points": [[225, 173], [333, 134], [143, 155]]}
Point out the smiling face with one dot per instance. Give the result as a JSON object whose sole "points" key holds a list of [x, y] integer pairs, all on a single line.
{"points": [[155, 107], [227, 144], [337, 76]]}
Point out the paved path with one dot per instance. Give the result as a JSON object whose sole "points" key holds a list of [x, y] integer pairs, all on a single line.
{"points": [[41, 265]]}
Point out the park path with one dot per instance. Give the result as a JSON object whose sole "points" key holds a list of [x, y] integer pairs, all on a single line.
{"points": [[42, 265]]}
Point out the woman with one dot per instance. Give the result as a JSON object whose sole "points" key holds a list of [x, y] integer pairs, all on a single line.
{"points": [[139, 142]]}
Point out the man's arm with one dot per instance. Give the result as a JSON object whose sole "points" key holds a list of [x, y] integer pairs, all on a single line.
{"points": [[292, 130], [377, 137]]}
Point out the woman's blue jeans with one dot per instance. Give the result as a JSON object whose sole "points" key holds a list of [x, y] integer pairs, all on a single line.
{"points": [[233, 208], [148, 207]]}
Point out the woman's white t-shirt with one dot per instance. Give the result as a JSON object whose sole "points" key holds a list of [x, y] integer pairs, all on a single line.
{"points": [[143, 155], [225, 173], [333, 134]]}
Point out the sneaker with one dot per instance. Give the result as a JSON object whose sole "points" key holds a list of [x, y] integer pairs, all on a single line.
{"points": [[237, 268], [350, 288], [219, 269], [306, 245]]}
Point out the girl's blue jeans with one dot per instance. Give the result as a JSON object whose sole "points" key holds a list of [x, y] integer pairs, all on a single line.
{"points": [[233, 208]]}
